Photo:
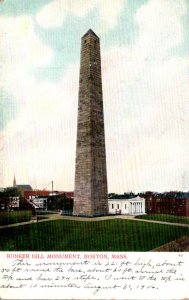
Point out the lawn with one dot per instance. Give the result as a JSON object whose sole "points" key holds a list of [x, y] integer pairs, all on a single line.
{"points": [[11, 217], [165, 218], [109, 235]]}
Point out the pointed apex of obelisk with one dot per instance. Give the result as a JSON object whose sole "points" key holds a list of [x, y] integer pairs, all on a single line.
{"points": [[90, 31]]}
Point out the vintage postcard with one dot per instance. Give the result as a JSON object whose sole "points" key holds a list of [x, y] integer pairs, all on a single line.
{"points": [[94, 177]]}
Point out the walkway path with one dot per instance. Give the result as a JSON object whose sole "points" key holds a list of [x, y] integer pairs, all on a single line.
{"points": [[124, 217], [52, 217]]}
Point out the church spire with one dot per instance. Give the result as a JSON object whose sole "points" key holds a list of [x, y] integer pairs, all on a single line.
{"points": [[14, 181]]}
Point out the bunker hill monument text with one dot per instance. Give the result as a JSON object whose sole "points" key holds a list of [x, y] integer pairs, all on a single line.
{"points": [[90, 194]]}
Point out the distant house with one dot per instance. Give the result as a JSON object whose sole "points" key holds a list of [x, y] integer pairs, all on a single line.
{"points": [[173, 203], [3, 201], [133, 206], [23, 187], [31, 194], [2, 205], [14, 202], [40, 202]]}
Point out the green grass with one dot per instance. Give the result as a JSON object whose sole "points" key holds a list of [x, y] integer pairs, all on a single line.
{"points": [[11, 217], [165, 218], [110, 235]]}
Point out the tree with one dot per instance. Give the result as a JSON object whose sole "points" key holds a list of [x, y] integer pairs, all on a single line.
{"points": [[4, 201], [12, 192], [26, 205]]}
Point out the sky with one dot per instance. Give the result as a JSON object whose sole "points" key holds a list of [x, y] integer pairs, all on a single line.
{"points": [[145, 75]]}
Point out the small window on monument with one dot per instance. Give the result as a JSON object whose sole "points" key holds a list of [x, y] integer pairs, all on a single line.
{"points": [[85, 41]]}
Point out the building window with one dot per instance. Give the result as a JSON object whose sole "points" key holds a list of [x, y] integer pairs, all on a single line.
{"points": [[117, 206], [125, 206], [112, 206]]}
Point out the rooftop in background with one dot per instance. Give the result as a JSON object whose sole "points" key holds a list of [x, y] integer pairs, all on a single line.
{"points": [[28, 194], [122, 196], [134, 198], [24, 187]]}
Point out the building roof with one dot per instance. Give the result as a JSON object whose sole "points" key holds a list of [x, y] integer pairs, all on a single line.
{"points": [[127, 199], [24, 187], [122, 196], [90, 31], [138, 198]]}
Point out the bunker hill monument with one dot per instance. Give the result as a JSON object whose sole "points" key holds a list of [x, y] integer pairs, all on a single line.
{"points": [[90, 194]]}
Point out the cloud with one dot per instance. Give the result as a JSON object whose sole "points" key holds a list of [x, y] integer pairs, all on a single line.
{"points": [[20, 46], [160, 25], [54, 13], [20, 51], [145, 134], [145, 97], [42, 134], [145, 89]]}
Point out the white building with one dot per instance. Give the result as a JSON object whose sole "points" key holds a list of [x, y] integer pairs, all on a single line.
{"points": [[40, 203], [134, 206], [14, 202]]}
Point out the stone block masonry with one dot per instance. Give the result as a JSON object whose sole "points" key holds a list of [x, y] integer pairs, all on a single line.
{"points": [[90, 195]]}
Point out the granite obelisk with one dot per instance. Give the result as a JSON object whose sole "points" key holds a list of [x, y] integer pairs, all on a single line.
{"points": [[90, 193]]}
